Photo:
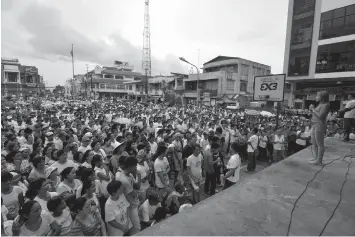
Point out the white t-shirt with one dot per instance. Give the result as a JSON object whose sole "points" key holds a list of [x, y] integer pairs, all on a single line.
{"points": [[300, 141], [278, 146], [263, 141], [254, 143], [146, 211], [195, 164], [144, 171], [153, 147], [161, 165], [11, 202], [234, 162], [43, 203], [65, 220], [117, 210], [44, 230], [62, 187], [351, 113]]}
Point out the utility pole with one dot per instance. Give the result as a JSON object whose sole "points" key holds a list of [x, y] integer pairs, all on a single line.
{"points": [[86, 79], [146, 84], [146, 57]]}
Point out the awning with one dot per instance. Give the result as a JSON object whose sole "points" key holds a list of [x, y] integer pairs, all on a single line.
{"points": [[11, 68]]}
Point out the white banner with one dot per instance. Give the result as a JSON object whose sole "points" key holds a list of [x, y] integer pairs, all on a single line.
{"points": [[269, 88]]}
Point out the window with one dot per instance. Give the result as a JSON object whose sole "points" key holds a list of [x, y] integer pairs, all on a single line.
{"points": [[338, 22], [337, 57], [130, 87], [245, 69], [108, 76], [230, 85], [119, 77], [102, 86], [299, 62], [11, 76], [301, 6], [243, 86], [180, 82]]}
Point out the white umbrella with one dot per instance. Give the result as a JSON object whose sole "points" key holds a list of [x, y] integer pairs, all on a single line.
{"points": [[252, 112], [267, 114], [123, 120]]}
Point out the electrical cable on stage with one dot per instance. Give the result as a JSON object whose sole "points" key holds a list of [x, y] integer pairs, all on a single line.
{"points": [[315, 175]]}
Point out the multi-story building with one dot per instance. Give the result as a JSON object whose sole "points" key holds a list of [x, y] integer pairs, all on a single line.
{"points": [[157, 87], [320, 51], [222, 79], [20, 80], [109, 82], [74, 87]]}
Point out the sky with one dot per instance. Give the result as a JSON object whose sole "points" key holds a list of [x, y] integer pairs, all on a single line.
{"points": [[41, 32]]}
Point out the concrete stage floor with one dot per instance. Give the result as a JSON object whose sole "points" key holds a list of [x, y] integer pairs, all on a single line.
{"points": [[261, 204]]}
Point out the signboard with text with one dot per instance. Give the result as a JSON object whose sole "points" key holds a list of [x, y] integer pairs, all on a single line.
{"points": [[269, 88]]}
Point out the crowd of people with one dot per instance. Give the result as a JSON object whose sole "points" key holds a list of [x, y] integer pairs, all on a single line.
{"points": [[116, 168]]}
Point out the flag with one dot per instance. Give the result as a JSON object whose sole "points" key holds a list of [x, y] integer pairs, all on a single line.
{"points": [[71, 52]]}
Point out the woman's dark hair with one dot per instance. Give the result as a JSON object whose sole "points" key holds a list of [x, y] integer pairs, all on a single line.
{"points": [[86, 154], [107, 139], [52, 154], [54, 203], [76, 156], [6, 176], [10, 157], [95, 160], [19, 132], [44, 152], [129, 162], [160, 214], [161, 149], [235, 147], [84, 173], [93, 144], [64, 174], [113, 186], [116, 150], [25, 210], [86, 185], [79, 204], [60, 153], [34, 188], [37, 159]]}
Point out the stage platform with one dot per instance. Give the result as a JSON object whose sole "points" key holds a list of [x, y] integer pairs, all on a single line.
{"points": [[261, 204]]}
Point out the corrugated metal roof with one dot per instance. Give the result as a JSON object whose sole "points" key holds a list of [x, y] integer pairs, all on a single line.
{"points": [[160, 80]]}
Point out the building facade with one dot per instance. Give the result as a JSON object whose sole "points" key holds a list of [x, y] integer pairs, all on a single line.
{"points": [[320, 51], [222, 79], [109, 81], [20, 80], [157, 87]]}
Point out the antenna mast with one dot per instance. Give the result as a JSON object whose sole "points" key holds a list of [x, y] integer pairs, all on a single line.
{"points": [[146, 59]]}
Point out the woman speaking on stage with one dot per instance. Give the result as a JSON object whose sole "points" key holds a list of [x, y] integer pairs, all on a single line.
{"points": [[319, 119]]}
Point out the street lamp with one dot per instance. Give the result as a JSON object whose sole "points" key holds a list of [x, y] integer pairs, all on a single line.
{"points": [[198, 78]]}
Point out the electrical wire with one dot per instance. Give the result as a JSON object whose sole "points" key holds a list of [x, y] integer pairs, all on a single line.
{"points": [[340, 198], [299, 197]]}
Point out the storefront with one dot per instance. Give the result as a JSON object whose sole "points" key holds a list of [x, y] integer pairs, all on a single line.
{"points": [[305, 95]]}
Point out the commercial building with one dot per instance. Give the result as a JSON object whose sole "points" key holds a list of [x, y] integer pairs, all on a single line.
{"points": [[109, 81], [157, 87], [20, 80], [225, 80], [320, 51], [74, 87]]}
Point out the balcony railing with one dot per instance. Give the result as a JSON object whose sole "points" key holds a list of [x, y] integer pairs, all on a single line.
{"points": [[108, 90]]}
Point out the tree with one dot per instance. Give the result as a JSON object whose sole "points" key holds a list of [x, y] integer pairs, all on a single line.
{"points": [[58, 90]]}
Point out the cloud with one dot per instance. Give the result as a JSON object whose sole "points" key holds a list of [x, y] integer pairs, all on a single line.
{"points": [[51, 38]]}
